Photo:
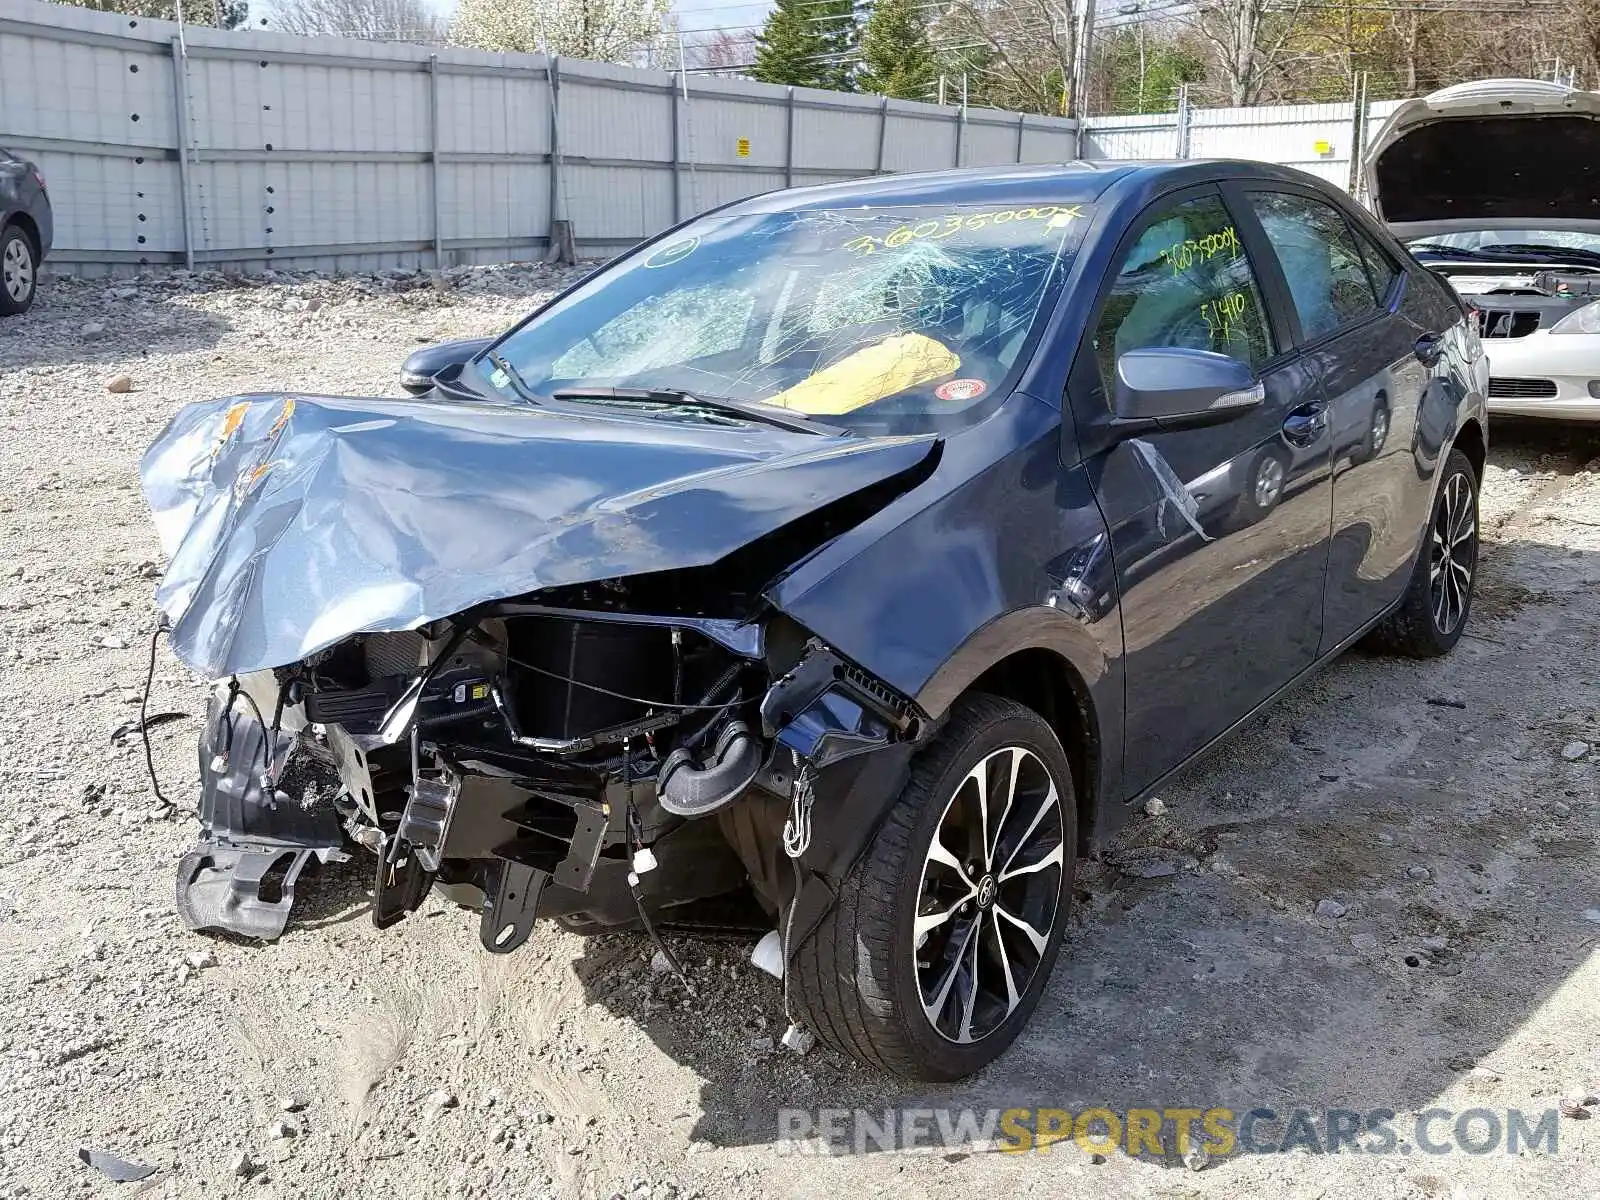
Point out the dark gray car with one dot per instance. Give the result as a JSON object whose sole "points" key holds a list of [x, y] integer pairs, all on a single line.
{"points": [[864, 552], [27, 227]]}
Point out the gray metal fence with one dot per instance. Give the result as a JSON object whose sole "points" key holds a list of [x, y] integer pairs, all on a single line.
{"points": [[1323, 139], [257, 149]]}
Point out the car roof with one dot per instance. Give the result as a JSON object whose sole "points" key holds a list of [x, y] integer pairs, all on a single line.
{"points": [[1078, 182]]}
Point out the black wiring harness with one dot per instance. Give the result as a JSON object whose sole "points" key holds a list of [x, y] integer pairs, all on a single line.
{"points": [[144, 714]]}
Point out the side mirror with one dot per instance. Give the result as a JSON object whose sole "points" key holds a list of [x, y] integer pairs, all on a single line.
{"points": [[1166, 387], [443, 361]]}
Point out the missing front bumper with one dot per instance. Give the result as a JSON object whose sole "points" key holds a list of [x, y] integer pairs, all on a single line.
{"points": [[256, 836]]}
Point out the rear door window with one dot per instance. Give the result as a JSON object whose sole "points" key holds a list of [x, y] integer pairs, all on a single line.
{"points": [[1186, 282], [1327, 277]]}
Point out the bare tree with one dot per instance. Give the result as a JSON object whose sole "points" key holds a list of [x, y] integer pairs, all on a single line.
{"points": [[1019, 53], [1586, 22], [724, 50], [1250, 41], [1411, 47], [373, 20]]}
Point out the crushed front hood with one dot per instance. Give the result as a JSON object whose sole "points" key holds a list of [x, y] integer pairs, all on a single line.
{"points": [[1514, 151], [292, 522]]}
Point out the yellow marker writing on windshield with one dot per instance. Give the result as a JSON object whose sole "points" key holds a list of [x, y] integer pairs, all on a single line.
{"points": [[936, 229]]}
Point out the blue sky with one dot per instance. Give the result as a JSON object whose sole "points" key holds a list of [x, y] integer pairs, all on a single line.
{"points": [[719, 14]]}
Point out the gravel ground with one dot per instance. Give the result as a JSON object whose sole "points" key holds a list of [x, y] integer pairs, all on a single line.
{"points": [[1442, 814]]}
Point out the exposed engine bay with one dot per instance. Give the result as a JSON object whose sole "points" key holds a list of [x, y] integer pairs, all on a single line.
{"points": [[428, 676], [1514, 301], [532, 761]]}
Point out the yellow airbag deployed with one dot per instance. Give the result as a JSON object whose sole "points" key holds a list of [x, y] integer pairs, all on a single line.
{"points": [[871, 373]]}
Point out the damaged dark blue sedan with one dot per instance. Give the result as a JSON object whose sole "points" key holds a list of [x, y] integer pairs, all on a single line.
{"points": [[852, 556]]}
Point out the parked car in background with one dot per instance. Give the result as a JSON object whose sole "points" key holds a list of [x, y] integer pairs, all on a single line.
{"points": [[26, 229], [1493, 185], [839, 550]]}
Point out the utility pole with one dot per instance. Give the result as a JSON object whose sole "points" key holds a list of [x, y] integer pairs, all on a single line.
{"points": [[1138, 11], [1080, 59]]}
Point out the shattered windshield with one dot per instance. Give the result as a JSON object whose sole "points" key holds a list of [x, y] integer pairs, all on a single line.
{"points": [[883, 320]]}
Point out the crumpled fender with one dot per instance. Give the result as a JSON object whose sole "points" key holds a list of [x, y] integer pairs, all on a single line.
{"points": [[294, 522]]}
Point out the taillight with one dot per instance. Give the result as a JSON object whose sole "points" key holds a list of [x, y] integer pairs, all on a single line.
{"points": [[38, 177]]}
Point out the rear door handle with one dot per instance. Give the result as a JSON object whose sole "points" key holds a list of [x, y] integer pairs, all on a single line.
{"points": [[1304, 425], [1430, 348]]}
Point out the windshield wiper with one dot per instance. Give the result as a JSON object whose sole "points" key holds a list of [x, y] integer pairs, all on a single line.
{"points": [[518, 385], [1549, 253], [1449, 251], [1508, 252], [678, 398]]}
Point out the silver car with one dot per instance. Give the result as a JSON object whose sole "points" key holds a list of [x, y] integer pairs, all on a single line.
{"points": [[1492, 185]]}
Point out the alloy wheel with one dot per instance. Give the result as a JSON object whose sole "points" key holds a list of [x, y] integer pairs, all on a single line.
{"points": [[1453, 554], [1269, 482], [16, 269], [989, 895]]}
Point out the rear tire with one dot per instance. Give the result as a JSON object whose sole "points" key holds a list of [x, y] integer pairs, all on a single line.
{"points": [[19, 271], [946, 930], [1430, 619]]}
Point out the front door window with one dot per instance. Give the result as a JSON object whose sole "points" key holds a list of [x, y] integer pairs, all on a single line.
{"points": [[1185, 282]]}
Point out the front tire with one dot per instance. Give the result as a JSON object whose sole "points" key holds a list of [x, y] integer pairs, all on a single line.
{"points": [[19, 272], [1430, 619], [946, 930]]}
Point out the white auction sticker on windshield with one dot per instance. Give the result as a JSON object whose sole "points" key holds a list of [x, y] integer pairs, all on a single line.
{"points": [[961, 389]]}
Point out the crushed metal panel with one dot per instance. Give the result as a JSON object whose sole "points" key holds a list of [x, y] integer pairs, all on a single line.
{"points": [[314, 518]]}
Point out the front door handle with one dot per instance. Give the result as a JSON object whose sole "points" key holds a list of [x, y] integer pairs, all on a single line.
{"points": [[1430, 348], [1303, 426]]}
